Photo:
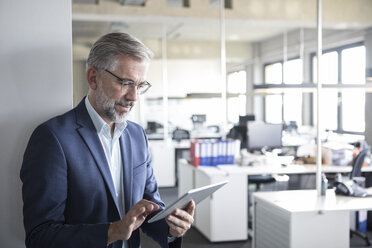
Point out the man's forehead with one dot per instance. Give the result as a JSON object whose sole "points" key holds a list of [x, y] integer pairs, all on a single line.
{"points": [[129, 61], [132, 69]]}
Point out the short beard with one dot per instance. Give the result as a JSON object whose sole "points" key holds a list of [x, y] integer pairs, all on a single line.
{"points": [[107, 107]]}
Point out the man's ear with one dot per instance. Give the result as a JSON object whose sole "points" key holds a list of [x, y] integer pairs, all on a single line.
{"points": [[92, 75]]}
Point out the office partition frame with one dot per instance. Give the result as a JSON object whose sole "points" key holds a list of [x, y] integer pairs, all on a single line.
{"points": [[318, 92]]}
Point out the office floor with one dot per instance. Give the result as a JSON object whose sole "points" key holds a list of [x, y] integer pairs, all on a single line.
{"points": [[194, 239]]}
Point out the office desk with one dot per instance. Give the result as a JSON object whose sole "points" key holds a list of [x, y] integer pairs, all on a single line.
{"points": [[299, 218], [289, 169], [224, 216]]}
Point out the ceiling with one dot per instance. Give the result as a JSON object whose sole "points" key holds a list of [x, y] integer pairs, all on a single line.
{"points": [[193, 29], [193, 20]]}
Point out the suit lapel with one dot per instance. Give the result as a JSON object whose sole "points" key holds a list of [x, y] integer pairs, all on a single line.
{"points": [[89, 134], [126, 155]]}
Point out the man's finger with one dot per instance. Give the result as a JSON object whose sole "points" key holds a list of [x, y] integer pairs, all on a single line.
{"points": [[147, 203], [175, 230], [183, 221], [139, 211], [150, 208], [144, 206], [182, 215], [132, 221]]}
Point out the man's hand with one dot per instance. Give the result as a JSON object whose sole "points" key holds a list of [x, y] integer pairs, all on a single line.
{"points": [[122, 229], [180, 220]]}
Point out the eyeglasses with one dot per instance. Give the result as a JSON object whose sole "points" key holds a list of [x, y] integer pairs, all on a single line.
{"points": [[127, 83]]}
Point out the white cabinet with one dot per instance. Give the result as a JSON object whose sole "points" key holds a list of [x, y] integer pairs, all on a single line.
{"points": [[186, 177], [162, 153], [223, 216]]}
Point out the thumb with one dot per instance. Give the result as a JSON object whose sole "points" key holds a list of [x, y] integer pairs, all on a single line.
{"points": [[190, 208]]}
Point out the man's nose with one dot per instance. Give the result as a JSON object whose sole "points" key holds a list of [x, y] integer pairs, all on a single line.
{"points": [[131, 94]]}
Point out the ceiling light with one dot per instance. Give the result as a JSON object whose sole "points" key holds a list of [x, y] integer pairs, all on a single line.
{"points": [[233, 37]]}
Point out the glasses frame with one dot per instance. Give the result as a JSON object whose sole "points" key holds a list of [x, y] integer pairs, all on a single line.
{"points": [[128, 82]]}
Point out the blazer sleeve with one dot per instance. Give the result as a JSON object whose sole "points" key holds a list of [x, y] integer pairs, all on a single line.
{"points": [[44, 193]]}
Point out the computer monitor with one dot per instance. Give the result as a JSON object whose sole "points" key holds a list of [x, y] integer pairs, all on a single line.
{"points": [[152, 126], [239, 131], [263, 135], [243, 119]]}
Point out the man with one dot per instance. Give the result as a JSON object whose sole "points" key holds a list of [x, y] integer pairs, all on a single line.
{"points": [[87, 175]]}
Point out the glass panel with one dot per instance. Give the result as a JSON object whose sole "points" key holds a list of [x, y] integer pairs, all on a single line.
{"points": [[353, 102], [293, 107], [235, 107], [273, 73], [236, 82], [329, 68], [293, 71], [273, 109], [353, 65]]}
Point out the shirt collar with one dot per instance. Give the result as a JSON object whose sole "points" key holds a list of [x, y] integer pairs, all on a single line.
{"points": [[100, 124]]}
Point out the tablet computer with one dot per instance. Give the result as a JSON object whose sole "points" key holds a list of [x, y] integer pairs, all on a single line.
{"points": [[197, 195]]}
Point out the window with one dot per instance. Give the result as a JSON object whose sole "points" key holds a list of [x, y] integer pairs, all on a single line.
{"points": [[273, 73], [330, 97], [292, 71], [329, 109], [273, 108], [329, 68], [288, 106], [292, 104], [353, 100], [343, 111], [236, 99], [236, 82]]}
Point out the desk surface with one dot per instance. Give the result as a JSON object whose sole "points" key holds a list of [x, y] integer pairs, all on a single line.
{"points": [[307, 200]]}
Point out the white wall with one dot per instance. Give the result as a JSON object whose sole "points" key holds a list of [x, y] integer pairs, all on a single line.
{"points": [[36, 84]]}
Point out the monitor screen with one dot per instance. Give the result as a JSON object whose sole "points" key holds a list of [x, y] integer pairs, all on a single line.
{"points": [[263, 135], [243, 119]]}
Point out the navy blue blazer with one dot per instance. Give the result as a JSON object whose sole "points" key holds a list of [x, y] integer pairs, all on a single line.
{"points": [[68, 192]]}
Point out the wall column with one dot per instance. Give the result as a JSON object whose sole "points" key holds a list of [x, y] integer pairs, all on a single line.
{"points": [[36, 84]]}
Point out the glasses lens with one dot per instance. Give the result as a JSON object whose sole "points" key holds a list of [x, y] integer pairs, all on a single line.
{"points": [[142, 88]]}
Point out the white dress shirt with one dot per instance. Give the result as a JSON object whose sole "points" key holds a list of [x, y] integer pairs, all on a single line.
{"points": [[111, 147]]}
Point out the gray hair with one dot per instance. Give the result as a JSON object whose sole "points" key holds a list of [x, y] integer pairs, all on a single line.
{"points": [[106, 49]]}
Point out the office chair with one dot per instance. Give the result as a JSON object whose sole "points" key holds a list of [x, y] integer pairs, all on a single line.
{"points": [[260, 179], [358, 163], [355, 173], [257, 180], [180, 134]]}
